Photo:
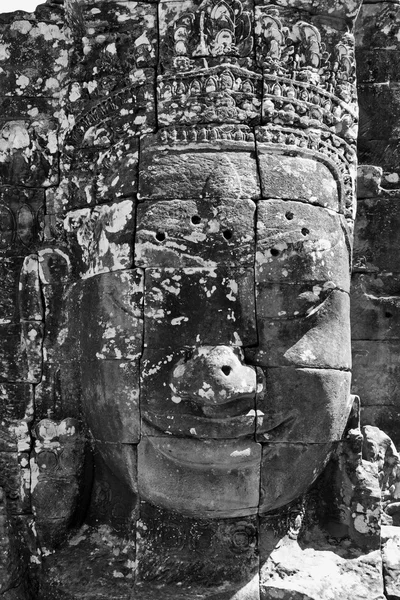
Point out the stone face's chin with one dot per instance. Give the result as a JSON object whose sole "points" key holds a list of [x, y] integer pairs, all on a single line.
{"points": [[201, 478], [225, 478]]}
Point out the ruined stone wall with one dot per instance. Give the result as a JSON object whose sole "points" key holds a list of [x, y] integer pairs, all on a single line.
{"points": [[375, 295], [77, 99]]}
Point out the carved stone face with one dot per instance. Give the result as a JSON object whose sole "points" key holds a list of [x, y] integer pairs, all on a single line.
{"points": [[216, 371]]}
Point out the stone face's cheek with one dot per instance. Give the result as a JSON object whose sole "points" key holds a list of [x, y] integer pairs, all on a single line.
{"points": [[111, 341], [195, 233], [320, 338], [302, 283], [288, 470], [309, 406]]}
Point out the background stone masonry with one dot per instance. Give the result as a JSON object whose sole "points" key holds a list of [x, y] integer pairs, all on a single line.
{"points": [[59, 69]]}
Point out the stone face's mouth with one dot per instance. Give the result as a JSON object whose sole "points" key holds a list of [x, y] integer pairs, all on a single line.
{"points": [[217, 454], [219, 425]]}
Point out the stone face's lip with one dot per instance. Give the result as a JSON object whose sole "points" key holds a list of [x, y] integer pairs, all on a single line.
{"points": [[218, 454], [201, 427]]}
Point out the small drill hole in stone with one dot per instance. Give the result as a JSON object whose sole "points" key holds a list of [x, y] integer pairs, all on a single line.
{"points": [[196, 219], [160, 236], [227, 234], [388, 314], [226, 370], [305, 231], [289, 215], [274, 252]]}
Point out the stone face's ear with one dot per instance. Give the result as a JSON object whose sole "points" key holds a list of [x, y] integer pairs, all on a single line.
{"points": [[57, 464]]}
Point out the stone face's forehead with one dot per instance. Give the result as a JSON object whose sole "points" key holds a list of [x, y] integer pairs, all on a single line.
{"points": [[209, 168]]}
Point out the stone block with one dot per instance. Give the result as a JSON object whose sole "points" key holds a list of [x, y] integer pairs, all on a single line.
{"points": [[391, 561], [34, 58], [29, 154], [375, 306], [10, 268], [22, 107], [21, 352], [14, 401], [369, 179], [202, 393], [202, 478], [296, 178], [57, 465], [376, 371], [111, 314], [120, 490], [297, 242], [379, 110], [288, 470], [101, 560], [199, 306], [30, 300], [373, 36], [376, 243], [318, 337], [21, 213], [376, 65], [196, 163], [110, 399], [189, 233], [215, 558], [101, 238], [115, 39], [114, 502], [382, 153], [317, 568], [386, 417], [309, 406], [59, 391], [11, 482]]}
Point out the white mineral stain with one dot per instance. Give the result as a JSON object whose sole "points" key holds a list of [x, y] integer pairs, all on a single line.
{"points": [[237, 339], [176, 399], [111, 48], [193, 431], [4, 51], [51, 83], [179, 371], [209, 293], [179, 320], [240, 453], [21, 26]]}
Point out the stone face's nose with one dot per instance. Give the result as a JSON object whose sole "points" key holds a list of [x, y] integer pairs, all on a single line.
{"points": [[212, 376]]}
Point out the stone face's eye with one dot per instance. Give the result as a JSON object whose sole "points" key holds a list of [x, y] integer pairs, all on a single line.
{"points": [[196, 220], [226, 370], [228, 233], [160, 236]]}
